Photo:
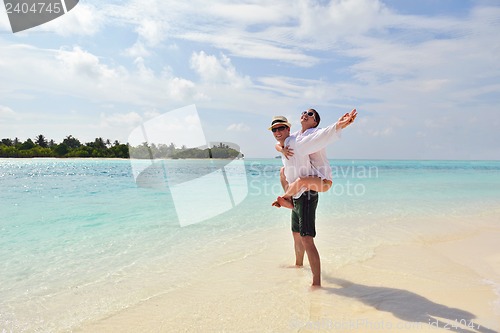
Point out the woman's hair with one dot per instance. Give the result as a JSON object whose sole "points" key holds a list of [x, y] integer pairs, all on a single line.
{"points": [[317, 117]]}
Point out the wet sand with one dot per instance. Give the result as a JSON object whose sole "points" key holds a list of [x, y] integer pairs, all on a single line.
{"points": [[448, 283]]}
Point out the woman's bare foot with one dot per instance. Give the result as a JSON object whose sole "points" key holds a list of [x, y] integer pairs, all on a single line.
{"points": [[288, 203]]}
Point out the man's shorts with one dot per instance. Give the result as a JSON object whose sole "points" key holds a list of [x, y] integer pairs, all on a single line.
{"points": [[304, 214]]}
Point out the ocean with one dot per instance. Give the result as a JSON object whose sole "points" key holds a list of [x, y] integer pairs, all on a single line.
{"points": [[81, 239]]}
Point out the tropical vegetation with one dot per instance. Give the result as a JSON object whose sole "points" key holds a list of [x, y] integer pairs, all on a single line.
{"points": [[100, 148]]}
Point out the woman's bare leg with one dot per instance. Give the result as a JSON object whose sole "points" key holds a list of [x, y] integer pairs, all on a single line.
{"points": [[309, 183]]}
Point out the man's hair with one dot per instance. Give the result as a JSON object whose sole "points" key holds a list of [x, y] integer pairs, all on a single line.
{"points": [[317, 117]]}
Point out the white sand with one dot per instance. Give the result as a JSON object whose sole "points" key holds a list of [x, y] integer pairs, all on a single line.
{"points": [[419, 286]]}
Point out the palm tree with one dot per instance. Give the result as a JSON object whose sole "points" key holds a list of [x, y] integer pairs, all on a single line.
{"points": [[99, 143], [41, 141], [7, 142], [72, 142]]}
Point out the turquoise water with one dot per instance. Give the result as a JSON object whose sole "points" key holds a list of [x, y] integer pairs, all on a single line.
{"points": [[78, 236]]}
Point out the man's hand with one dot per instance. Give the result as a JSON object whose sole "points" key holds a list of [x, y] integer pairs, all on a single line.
{"points": [[347, 119]]}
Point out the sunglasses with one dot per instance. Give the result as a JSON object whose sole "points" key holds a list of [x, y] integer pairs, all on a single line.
{"points": [[310, 114], [279, 129]]}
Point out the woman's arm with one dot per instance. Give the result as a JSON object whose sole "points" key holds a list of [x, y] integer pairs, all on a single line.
{"points": [[285, 150], [319, 139]]}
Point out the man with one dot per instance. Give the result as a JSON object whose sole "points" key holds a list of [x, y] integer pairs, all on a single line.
{"points": [[305, 201]]}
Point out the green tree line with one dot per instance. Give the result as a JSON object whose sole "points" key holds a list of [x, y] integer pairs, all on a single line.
{"points": [[170, 151], [72, 147], [69, 147]]}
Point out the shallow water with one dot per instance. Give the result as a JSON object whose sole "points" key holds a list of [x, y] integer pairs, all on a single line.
{"points": [[79, 239]]}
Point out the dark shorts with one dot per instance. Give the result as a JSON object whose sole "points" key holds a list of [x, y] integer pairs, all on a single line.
{"points": [[304, 214]]}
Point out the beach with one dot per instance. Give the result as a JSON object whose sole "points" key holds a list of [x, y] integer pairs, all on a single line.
{"points": [[405, 246], [443, 284]]}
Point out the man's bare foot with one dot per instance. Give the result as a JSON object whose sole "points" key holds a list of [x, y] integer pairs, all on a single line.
{"points": [[292, 266], [276, 204], [285, 202], [314, 287]]}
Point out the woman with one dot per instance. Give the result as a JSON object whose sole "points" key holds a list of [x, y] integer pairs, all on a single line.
{"points": [[309, 120]]}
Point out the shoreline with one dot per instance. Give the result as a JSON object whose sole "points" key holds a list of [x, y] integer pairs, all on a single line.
{"points": [[422, 285]]}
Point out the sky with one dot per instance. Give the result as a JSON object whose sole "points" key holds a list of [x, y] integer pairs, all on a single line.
{"points": [[423, 75]]}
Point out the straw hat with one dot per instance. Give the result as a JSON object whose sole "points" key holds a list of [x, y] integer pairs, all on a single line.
{"points": [[279, 120]]}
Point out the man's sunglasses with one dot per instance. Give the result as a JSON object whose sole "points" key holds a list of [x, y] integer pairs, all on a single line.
{"points": [[279, 129], [310, 114]]}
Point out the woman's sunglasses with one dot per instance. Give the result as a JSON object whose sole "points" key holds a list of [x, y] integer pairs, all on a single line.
{"points": [[279, 129], [310, 114]]}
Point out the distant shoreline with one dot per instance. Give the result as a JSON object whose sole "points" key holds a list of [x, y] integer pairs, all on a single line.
{"points": [[120, 158], [244, 158]]}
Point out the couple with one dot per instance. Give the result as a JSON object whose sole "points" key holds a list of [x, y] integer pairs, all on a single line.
{"points": [[306, 172]]}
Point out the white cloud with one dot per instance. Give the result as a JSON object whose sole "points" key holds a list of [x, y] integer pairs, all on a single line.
{"points": [[80, 73], [137, 50], [382, 132], [6, 112], [323, 25], [81, 62], [130, 119], [153, 32], [318, 90], [248, 13], [225, 25], [151, 114], [246, 45], [83, 20], [217, 70], [280, 31], [180, 89], [240, 127]]}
